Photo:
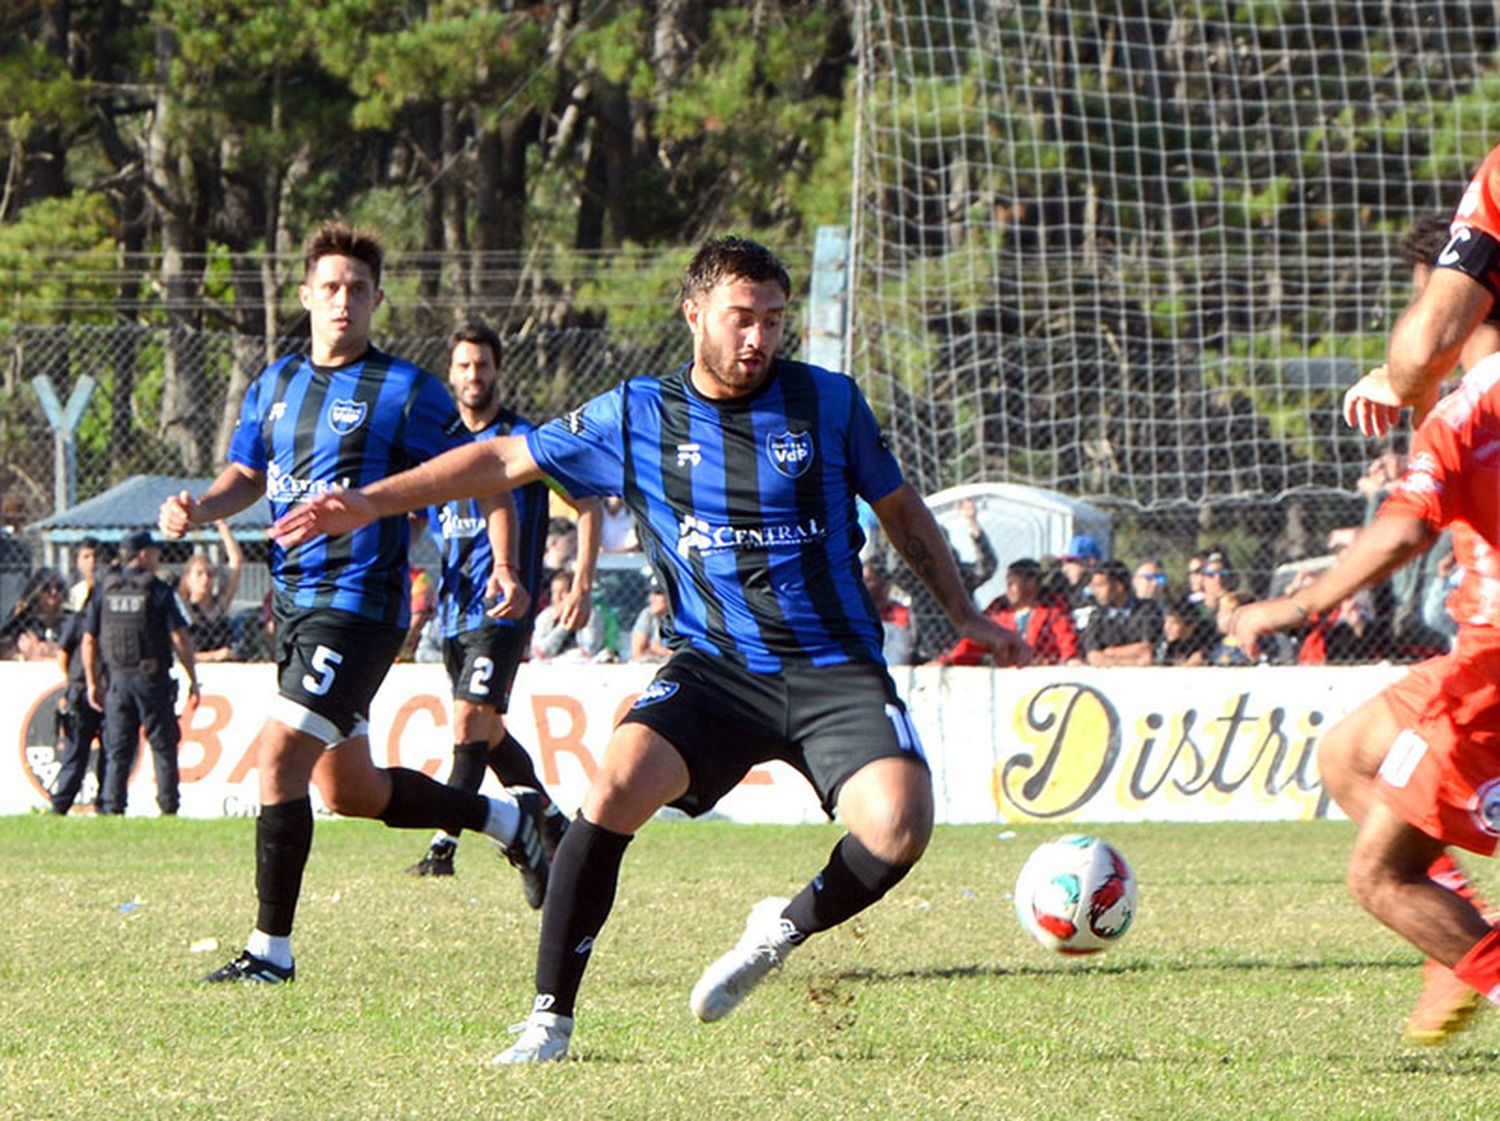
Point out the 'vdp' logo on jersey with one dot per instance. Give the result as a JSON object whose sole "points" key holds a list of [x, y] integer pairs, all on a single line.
{"points": [[791, 453], [345, 416]]}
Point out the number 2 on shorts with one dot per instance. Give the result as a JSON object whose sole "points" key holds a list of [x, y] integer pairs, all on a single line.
{"points": [[484, 669]]}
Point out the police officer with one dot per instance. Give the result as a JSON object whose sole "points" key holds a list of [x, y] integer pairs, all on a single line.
{"points": [[79, 722], [133, 626]]}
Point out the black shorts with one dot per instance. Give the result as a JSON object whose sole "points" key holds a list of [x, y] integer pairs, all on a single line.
{"points": [[482, 663], [827, 722], [329, 664]]}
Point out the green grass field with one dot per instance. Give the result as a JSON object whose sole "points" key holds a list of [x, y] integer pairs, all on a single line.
{"points": [[1250, 986]]}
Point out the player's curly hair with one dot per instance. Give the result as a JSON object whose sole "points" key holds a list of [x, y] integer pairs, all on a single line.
{"points": [[340, 239], [1425, 240], [732, 257]]}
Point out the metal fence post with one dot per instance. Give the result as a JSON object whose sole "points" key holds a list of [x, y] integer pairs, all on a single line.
{"points": [[828, 299], [64, 420]]}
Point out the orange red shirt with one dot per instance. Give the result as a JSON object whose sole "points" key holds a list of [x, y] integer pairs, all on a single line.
{"points": [[1474, 235], [1047, 628], [1452, 478]]}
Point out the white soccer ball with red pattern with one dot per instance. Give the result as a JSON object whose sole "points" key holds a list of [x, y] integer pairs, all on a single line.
{"points": [[1076, 895]]}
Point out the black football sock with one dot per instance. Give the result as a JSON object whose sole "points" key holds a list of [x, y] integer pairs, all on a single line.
{"points": [[580, 893], [468, 765], [418, 802], [853, 879], [283, 840], [512, 764]]}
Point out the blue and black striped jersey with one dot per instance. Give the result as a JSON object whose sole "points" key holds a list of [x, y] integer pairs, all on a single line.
{"points": [[745, 507], [311, 429], [465, 545]]}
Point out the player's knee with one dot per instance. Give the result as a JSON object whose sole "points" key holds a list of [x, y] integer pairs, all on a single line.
{"points": [[888, 806], [1371, 881], [361, 797], [894, 827]]}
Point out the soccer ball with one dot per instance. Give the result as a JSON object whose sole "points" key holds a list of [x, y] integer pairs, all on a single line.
{"points": [[1076, 895]]}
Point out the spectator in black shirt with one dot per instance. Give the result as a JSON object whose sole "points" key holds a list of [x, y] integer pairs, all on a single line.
{"points": [[1122, 630], [31, 632]]}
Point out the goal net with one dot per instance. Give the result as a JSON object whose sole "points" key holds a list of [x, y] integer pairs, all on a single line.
{"points": [[1134, 250]]}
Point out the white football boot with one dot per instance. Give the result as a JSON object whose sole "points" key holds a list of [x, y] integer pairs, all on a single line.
{"points": [[763, 947], [544, 1039]]}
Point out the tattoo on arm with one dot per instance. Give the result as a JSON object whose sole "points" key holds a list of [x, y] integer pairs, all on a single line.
{"points": [[920, 560]]}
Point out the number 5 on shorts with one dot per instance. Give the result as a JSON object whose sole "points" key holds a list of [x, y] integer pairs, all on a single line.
{"points": [[324, 662]]}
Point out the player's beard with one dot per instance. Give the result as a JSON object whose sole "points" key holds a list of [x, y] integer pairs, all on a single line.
{"points": [[480, 401], [723, 366]]}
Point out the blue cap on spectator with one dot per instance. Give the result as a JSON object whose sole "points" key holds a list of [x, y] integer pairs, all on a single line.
{"points": [[1083, 547]]}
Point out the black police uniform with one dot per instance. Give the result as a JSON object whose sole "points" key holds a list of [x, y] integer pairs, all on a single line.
{"points": [[132, 618], [81, 721]]}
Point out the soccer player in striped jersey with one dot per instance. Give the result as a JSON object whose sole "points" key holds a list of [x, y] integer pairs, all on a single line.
{"points": [[341, 415], [742, 470], [480, 652]]}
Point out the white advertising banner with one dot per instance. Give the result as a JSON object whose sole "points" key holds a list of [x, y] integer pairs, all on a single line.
{"points": [[1058, 745]]}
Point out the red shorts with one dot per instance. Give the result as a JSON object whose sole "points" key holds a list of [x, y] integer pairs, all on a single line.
{"points": [[1442, 773]]}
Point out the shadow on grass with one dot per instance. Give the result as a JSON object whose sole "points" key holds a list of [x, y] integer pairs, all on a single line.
{"points": [[1076, 966]]}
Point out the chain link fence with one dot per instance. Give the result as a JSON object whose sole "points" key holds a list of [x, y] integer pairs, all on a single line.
{"points": [[163, 399]]}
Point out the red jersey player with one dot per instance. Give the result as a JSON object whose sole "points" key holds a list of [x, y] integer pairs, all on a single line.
{"points": [[1450, 322], [1436, 732]]}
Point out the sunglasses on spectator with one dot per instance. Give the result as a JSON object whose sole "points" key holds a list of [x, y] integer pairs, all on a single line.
{"points": [[1212, 571]]}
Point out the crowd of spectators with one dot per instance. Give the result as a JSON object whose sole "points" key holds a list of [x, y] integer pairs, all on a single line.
{"points": [[34, 628], [1083, 608], [1078, 608]]}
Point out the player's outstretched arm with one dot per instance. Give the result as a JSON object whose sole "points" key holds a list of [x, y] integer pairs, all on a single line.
{"points": [[484, 468], [909, 525], [1428, 339], [236, 488], [1381, 547]]}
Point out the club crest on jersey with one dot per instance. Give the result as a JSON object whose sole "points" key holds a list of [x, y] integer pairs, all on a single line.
{"points": [[345, 416], [1487, 807], [573, 422], [791, 452], [656, 691]]}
